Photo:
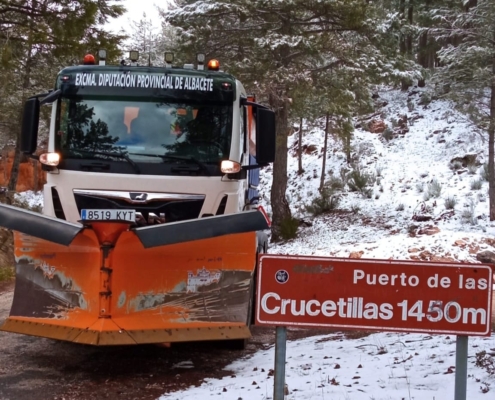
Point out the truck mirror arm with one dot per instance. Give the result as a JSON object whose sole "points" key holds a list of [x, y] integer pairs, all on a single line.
{"points": [[246, 102], [242, 173], [255, 166], [48, 97], [51, 97]]}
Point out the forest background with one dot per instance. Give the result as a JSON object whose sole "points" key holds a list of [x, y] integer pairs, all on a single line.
{"points": [[309, 60]]}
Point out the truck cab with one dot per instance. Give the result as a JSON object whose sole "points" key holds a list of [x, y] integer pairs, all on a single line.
{"points": [[169, 144], [148, 233]]}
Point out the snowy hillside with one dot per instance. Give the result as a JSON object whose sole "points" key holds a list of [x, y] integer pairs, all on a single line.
{"points": [[410, 170]]}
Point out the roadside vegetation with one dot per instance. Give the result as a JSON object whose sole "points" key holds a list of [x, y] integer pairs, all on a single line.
{"points": [[6, 274], [7, 270]]}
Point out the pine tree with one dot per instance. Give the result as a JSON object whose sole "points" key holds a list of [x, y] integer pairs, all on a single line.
{"points": [[37, 38], [467, 67], [277, 47], [147, 39]]}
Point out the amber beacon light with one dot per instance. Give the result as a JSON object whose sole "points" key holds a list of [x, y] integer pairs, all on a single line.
{"points": [[213, 65], [89, 59]]}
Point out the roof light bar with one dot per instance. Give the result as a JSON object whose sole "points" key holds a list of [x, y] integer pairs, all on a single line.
{"points": [[200, 58], [134, 56], [102, 56], [169, 59]]}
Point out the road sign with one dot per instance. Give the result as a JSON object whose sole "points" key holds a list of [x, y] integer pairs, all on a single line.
{"points": [[404, 296]]}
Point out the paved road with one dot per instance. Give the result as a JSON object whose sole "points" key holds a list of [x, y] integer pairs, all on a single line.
{"points": [[43, 369], [37, 368]]}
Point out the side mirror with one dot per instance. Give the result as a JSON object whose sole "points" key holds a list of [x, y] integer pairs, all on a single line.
{"points": [[30, 121], [265, 136]]}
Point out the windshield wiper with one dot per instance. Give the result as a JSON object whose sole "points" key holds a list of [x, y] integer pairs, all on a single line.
{"points": [[111, 154], [180, 158]]}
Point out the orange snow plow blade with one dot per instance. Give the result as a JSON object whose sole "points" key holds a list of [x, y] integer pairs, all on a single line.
{"points": [[113, 285]]}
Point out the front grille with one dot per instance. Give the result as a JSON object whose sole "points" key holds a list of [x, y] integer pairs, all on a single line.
{"points": [[223, 204], [57, 204], [152, 211]]}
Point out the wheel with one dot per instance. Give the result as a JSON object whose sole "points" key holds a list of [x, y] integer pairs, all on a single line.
{"points": [[236, 344]]}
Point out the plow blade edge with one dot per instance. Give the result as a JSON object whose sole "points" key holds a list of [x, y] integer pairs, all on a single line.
{"points": [[37, 225], [177, 232]]}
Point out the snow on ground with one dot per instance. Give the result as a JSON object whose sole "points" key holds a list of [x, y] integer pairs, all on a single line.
{"points": [[404, 168], [382, 366], [31, 199]]}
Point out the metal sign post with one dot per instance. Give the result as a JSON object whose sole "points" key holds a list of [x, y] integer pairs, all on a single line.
{"points": [[381, 295], [279, 373], [461, 355]]}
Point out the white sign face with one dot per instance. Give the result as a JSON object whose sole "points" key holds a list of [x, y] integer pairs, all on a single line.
{"points": [[148, 81]]}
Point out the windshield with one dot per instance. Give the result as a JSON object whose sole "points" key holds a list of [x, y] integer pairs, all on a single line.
{"points": [[143, 131]]}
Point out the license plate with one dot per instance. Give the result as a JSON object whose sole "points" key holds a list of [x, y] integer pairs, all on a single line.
{"points": [[108, 215]]}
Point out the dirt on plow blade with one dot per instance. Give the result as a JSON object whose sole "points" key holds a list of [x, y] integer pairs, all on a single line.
{"points": [[107, 288]]}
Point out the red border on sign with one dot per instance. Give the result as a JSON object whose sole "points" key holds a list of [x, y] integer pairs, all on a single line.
{"points": [[317, 282]]}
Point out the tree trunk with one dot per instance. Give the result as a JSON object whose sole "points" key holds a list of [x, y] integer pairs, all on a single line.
{"points": [[300, 169], [280, 207], [35, 176], [403, 41], [324, 162], [491, 142], [410, 18], [347, 146], [423, 55], [402, 16], [14, 172], [423, 50], [470, 4]]}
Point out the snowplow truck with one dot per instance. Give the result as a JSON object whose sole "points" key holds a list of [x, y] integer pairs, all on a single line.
{"points": [[150, 227]]}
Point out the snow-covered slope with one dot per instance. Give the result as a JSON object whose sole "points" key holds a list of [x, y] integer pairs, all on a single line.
{"points": [[383, 223], [381, 366]]}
